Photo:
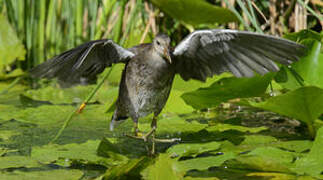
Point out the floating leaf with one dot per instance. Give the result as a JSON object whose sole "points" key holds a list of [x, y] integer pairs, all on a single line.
{"points": [[226, 89], [310, 67], [174, 125], [195, 12], [304, 104], [296, 145], [200, 178], [17, 162], [129, 170], [193, 149], [52, 152], [225, 127], [268, 159], [203, 163], [111, 152], [55, 174], [6, 134], [163, 168], [273, 176], [75, 94], [312, 163]]}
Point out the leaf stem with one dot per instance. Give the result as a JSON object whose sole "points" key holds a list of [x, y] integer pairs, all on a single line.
{"points": [[82, 106]]}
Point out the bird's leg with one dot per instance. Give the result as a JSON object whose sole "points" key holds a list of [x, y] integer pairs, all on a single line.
{"points": [[136, 129], [153, 128], [139, 135]]}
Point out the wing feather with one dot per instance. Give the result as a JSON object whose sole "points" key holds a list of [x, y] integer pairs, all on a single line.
{"points": [[86, 60], [204, 53]]}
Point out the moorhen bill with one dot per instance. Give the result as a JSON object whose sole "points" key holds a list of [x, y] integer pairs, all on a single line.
{"points": [[150, 68]]}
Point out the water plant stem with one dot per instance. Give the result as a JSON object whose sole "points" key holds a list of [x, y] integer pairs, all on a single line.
{"points": [[82, 106]]}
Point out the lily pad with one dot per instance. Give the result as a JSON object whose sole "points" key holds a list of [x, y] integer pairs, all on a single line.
{"points": [[173, 125], [52, 152], [163, 168], [226, 89], [310, 67], [60, 174], [225, 127], [304, 104], [193, 149], [17, 162], [129, 170], [268, 159], [312, 163], [203, 163]]}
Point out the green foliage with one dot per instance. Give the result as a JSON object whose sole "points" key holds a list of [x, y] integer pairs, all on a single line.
{"points": [[310, 67], [195, 11], [10, 48], [53, 152], [193, 149], [62, 174], [129, 170], [163, 168], [203, 163], [226, 89], [312, 163], [17, 161], [268, 159], [304, 104]]}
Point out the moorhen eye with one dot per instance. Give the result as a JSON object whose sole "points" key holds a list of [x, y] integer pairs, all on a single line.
{"points": [[145, 86]]}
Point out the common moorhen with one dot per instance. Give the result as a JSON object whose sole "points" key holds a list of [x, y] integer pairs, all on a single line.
{"points": [[150, 68]]}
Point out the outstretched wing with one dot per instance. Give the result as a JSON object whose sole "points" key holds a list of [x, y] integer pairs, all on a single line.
{"points": [[86, 60], [207, 52]]}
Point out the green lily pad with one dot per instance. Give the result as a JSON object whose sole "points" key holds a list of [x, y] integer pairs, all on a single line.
{"points": [[200, 178], [129, 170], [295, 146], [312, 163], [226, 89], [17, 162], [277, 176], [304, 104], [163, 168], [225, 127], [52, 152], [203, 163], [193, 149], [112, 153], [304, 34], [60, 174], [6, 112], [175, 103], [310, 67], [173, 125], [71, 95], [195, 12], [268, 159], [43, 115], [7, 134]]}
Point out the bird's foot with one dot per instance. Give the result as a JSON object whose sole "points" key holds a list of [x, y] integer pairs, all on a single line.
{"points": [[172, 140], [145, 139], [140, 135]]}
